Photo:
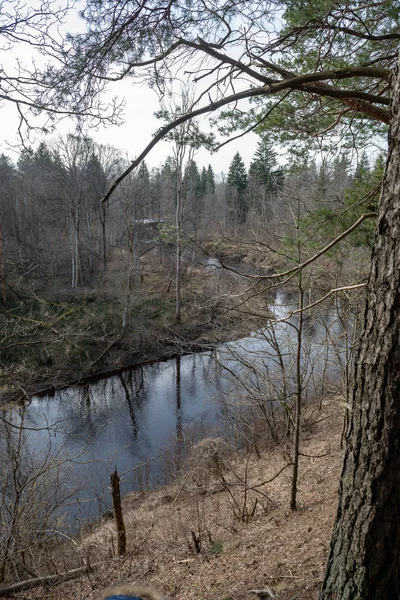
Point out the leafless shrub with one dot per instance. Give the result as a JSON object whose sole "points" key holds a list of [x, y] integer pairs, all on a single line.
{"points": [[207, 460]]}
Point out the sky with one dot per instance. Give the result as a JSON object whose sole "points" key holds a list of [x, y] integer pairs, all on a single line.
{"points": [[134, 135], [140, 123], [139, 120]]}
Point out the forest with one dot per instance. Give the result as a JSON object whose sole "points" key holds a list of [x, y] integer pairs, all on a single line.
{"points": [[107, 263], [77, 273]]}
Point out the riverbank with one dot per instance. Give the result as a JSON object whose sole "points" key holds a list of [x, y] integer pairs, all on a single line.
{"points": [[55, 337], [273, 549], [56, 343]]}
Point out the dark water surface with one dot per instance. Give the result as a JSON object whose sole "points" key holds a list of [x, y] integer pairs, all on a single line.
{"points": [[127, 419]]}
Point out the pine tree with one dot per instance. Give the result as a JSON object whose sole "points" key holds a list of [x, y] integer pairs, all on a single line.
{"points": [[168, 177], [236, 185], [96, 184], [143, 173], [95, 181]]}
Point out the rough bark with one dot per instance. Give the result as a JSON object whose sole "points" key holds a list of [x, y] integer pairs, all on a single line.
{"points": [[364, 562]]}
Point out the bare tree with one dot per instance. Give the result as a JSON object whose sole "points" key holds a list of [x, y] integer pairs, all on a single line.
{"points": [[185, 138], [237, 56], [38, 29]]}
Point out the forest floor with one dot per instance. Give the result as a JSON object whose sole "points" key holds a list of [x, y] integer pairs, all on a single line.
{"points": [[249, 539]]}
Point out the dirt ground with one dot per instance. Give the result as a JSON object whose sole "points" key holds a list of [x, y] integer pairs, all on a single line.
{"points": [[239, 515]]}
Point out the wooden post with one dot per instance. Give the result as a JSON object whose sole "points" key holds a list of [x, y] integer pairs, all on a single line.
{"points": [[119, 520]]}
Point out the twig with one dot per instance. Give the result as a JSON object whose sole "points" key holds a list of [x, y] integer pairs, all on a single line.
{"points": [[315, 455], [181, 489], [142, 464], [253, 487], [184, 561], [264, 593]]}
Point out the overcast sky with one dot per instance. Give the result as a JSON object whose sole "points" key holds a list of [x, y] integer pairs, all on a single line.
{"points": [[134, 134], [132, 137]]}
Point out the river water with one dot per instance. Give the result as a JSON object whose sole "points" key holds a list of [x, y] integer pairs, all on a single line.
{"points": [[79, 434]]}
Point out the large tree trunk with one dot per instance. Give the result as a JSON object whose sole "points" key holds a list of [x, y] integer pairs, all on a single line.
{"points": [[364, 562]]}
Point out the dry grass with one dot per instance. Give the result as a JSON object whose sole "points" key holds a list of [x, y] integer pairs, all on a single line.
{"points": [[275, 548]]}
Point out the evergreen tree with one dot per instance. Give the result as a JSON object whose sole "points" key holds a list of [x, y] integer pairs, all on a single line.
{"points": [[43, 155], [362, 196], [210, 180], [156, 190], [8, 192], [143, 172], [95, 181], [341, 171], [265, 177], [236, 185], [323, 180], [25, 160], [193, 188], [264, 163], [169, 185], [340, 180], [39, 197], [363, 168], [203, 182], [96, 185], [142, 191]]}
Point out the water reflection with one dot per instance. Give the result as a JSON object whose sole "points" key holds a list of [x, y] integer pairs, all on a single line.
{"points": [[127, 419], [120, 421]]}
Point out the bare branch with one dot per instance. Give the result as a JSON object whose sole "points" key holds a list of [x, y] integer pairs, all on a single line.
{"points": [[330, 293]]}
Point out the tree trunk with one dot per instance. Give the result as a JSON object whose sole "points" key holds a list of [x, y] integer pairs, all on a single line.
{"points": [[2, 280], [119, 519], [178, 222], [104, 236], [364, 562], [299, 399]]}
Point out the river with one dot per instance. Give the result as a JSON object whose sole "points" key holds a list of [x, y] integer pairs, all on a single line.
{"points": [[76, 436]]}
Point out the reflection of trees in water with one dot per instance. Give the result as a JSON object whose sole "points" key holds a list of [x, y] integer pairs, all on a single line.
{"points": [[179, 433], [131, 408], [208, 367], [84, 416], [87, 410], [136, 381], [135, 394], [192, 378]]}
